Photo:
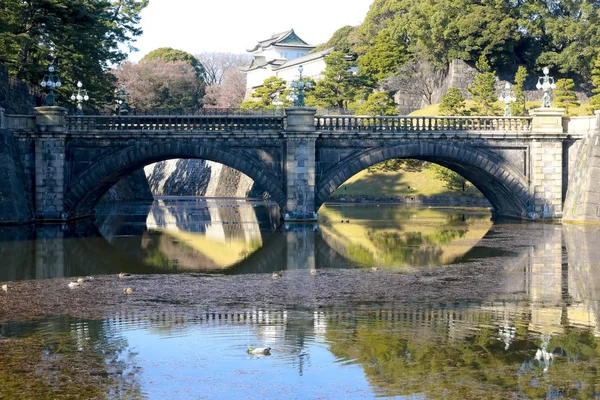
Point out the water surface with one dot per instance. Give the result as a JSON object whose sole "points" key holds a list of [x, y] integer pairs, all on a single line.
{"points": [[428, 303]]}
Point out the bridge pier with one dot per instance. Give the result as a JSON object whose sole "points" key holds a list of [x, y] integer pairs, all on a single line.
{"points": [[50, 159], [546, 167], [300, 164]]}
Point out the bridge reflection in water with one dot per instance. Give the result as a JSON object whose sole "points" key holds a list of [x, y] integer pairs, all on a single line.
{"points": [[535, 334]]}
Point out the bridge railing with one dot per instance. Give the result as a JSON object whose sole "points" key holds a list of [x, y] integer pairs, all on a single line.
{"points": [[20, 123], [216, 123], [421, 124]]}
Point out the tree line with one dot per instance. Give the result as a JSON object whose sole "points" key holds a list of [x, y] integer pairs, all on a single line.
{"points": [[407, 45]]}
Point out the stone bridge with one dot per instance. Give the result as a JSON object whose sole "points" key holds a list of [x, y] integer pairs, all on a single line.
{"points": [[528, 167]]}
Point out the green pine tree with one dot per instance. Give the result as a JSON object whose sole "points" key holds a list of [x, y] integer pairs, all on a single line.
{"points": [[519, 107], [339, 85], [483, 88], [564, 95], [263, 95], [453, 103], [595, 100], [378, 103]]}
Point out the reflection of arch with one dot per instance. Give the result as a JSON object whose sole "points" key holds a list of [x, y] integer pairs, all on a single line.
{"points": [[91, 184], [504, 186]]}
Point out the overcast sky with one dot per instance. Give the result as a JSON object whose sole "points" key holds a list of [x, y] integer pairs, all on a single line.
{"points": [[235, 25]]}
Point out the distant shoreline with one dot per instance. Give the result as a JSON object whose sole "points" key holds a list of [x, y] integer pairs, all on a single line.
{"points": [[443, 200]]}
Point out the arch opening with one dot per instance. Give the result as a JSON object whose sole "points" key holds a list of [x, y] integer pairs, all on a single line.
{"points": [[504, 187], [87, 188]]}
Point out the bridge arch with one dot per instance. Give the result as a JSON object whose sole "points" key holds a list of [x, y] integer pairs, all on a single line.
{"points": [[86, 189], [505, 187]]}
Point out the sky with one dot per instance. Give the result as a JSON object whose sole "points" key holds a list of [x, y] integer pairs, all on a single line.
{"points": [[236, 25]]}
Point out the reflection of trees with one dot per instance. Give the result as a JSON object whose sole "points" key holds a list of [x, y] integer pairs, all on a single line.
{"points": [[408, 360], [422, 237], [67, 360], [413, 248]]}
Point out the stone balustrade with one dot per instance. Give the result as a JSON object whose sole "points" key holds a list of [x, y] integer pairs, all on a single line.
{"points": [[174, 123], [422, 124], [527, 167]]}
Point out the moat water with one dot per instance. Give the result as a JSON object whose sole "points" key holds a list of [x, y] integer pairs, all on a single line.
{"points": [[373, 301]]}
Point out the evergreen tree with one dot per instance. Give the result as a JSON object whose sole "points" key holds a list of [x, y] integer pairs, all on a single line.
{"points": [[264, 94], [342, 40], [339, 85], [483, 88], [378, 103], [519, 106], [385, 54], [453, 103], [84, 37], [595, 100], [564, 95], [169, 54]]}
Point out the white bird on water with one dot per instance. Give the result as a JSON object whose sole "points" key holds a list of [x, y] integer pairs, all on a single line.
{"points": [[73, 285], [123, 274], [265, 351], [5, 287]]}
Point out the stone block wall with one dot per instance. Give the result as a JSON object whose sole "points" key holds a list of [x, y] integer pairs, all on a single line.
{"points": [[195, 177], [15, 204], [546, 178], [582, 202]]}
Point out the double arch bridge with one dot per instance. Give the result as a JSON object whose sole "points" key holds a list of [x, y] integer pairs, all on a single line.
{"points": [[523, 165]]}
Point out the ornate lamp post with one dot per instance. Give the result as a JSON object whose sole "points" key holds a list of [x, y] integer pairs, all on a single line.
{"points": [[51, 81], [122, 101], [81, 96], [546, 83], [507, 98], [277, 101], [298, 89]]}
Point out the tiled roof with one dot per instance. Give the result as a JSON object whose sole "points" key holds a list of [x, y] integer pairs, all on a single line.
{"points": [[287, 38], [305, 59]]}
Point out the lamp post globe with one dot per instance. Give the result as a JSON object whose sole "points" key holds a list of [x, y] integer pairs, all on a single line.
{"points": [[80, 97], [298, 88], [546, 84], [51, 81]]}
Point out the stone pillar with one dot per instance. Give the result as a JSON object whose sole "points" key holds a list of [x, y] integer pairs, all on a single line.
{"points": [[300, 167], [2, 120], [50, 163], [546, 169]]}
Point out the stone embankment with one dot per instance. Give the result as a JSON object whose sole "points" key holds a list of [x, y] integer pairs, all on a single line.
{"points": [[198, 178], [181, 177], [15, 204], [438, 200]]}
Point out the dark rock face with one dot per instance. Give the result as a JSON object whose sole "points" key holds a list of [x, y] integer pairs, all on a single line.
{"points": [[15, 205], [133, 187]]}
